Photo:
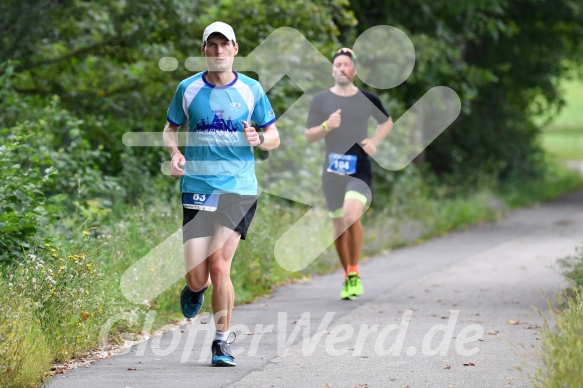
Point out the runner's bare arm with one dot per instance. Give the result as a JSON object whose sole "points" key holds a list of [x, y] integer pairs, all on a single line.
{"points": [[319, 131], [170, 136], [370, 145]]}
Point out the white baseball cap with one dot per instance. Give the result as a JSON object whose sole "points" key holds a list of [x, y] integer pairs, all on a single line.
{"points": [[221, 28]]}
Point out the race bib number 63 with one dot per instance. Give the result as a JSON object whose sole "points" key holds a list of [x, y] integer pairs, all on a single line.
{"points": [[197, 201]]}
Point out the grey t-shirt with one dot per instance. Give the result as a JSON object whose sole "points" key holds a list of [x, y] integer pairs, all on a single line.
{"points": [[355, 112]]}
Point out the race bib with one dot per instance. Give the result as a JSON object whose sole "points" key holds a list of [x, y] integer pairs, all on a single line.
{"points": [[342, 164], [206, 202]]}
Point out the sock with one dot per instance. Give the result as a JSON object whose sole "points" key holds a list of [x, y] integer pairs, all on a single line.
{"points": [[352, 268], [221, 335]]}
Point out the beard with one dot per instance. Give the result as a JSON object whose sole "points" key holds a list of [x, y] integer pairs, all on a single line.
{"points": [[343, 81]]}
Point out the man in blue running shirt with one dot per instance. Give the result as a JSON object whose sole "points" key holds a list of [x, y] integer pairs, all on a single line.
{"points": [[216, 108]]}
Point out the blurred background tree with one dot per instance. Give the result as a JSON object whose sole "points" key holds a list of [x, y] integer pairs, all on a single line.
{"points": [[77, 75], [500, 56]]}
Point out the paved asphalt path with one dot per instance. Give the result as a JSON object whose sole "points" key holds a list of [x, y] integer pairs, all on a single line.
{"points": [[433, 315]]}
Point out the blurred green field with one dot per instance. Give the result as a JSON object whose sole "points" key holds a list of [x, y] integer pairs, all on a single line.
{"points": [[563, 137]]}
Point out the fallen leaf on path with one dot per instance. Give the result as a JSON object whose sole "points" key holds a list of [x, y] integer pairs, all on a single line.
{"points": [[493, 332], [326, 385], [511, 322], [132, 369], [469, 364]]}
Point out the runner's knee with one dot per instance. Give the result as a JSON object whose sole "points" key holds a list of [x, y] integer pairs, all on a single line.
{"points": [[196, 280], [219, 270]]}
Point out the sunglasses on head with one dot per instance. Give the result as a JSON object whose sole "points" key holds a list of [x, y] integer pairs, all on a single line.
{"points": [[345, 51]]}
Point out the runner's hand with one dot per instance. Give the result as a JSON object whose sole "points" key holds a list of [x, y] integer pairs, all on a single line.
{"points": [[176, 165], [369, 146], [335, 119], [251, 134]]}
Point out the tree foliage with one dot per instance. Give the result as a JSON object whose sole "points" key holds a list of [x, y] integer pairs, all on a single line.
{"points": [[78, 75], [500, 56]]}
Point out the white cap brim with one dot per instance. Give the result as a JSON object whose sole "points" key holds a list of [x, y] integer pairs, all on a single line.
{"points": [[221, 28]]}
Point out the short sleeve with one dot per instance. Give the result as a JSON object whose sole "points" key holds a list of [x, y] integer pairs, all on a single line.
{"points": [[176, 115], [378, 112], [263, 114], [314, 114]]}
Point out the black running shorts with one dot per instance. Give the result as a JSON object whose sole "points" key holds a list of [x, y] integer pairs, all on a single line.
{"points": [[336, 186], [233, 211]]}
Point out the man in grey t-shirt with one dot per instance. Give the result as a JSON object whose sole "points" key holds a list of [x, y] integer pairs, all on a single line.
{"points": [[340, 116]]}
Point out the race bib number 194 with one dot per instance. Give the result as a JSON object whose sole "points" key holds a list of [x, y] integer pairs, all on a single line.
{"points": [[196, 201]]}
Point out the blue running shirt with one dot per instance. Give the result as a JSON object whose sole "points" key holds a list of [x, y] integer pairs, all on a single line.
{"points": [[218, 158]]}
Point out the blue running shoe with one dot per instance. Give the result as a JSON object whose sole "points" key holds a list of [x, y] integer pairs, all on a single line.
{"points": [[221, 351], [191, 302]]}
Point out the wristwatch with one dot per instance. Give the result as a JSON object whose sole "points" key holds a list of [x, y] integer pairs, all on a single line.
{"points": [[261, 139]]}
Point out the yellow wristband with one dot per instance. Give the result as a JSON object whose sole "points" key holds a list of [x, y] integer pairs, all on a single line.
{"points": [[326, 127]]}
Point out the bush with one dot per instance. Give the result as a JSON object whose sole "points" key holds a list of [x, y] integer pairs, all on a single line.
{"points": [[25, 209], [46, 178]]}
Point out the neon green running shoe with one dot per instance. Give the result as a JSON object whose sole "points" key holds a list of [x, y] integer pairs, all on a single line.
{"points": [[354, 284], [345, 293]]}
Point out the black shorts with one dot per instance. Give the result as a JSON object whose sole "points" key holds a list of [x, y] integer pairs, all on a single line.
{"points": [[336, 186], [233, 211]]}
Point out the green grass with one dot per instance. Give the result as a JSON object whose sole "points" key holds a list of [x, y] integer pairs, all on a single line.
{"points": [[563, 136], [565, 144], [571, 116], [24, 353], [562, 344], [557, 180], [572, 267]]}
